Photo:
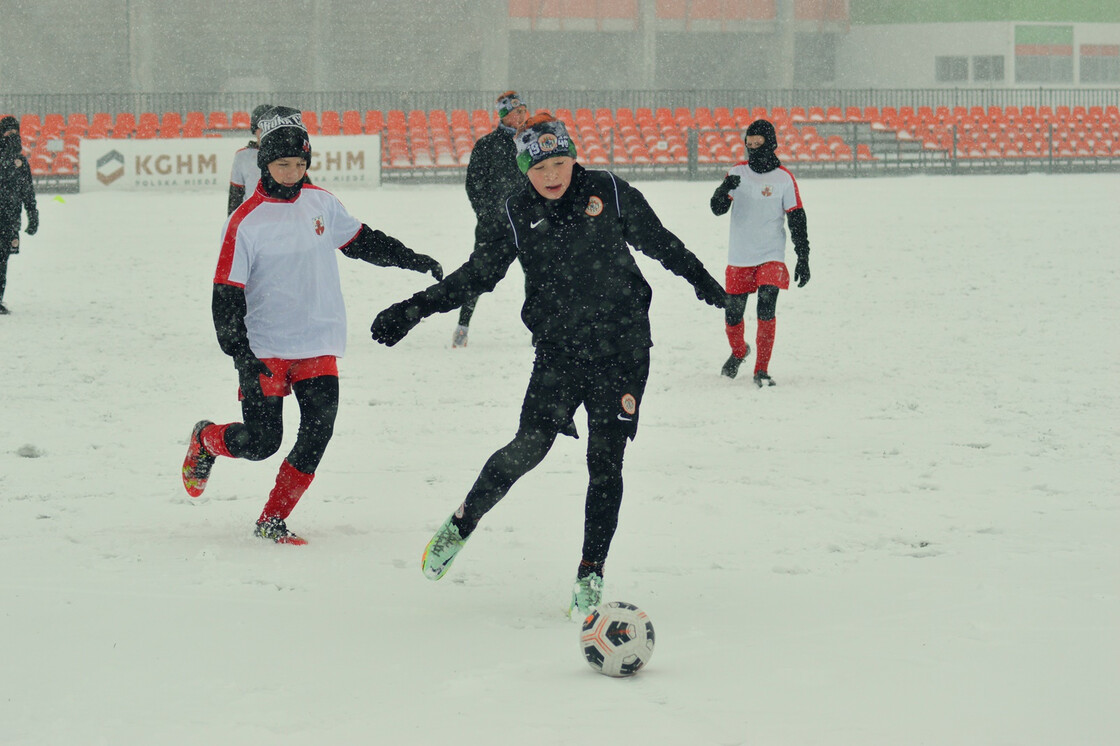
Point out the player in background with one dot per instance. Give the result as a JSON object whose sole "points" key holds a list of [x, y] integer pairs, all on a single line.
{"points": [[762, 196], [17, 193], [246, 173], [587, 306], [492, 175], [278, 312]]}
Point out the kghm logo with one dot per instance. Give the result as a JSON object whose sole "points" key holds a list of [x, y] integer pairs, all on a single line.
{"points": [[110, 167]]}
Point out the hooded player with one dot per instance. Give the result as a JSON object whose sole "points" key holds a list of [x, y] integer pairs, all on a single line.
{"points": [[762, 196], [278, 312], [17, 193]]}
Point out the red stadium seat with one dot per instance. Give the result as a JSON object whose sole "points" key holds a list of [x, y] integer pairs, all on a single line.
{"points": [[330, 124], [218, 120], [241, 120], [351, 122], [170, 125], [374, 122], [123, 126]]}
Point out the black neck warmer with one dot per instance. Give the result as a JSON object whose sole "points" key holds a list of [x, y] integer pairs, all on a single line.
{"points": [[276, 190]]}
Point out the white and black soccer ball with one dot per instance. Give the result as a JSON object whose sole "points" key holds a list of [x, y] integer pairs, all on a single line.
{"points": [[617, 639]]}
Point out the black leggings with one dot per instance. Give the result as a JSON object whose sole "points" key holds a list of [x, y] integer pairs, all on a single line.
{"points": [[260, 435], [605, 449], [737, 304]]}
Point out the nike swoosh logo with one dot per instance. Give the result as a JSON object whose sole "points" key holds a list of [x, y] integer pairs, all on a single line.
{"points": [[626, 419], [535, 223]]}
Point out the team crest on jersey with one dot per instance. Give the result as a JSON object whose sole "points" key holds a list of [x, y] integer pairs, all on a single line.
{"points": [[320, 226], [594, 206], [767, 190], [629, 404]]}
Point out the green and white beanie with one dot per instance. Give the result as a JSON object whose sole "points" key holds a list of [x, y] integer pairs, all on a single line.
{"points": [[540, 138]]}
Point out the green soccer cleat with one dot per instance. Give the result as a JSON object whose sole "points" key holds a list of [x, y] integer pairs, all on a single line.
{"points": [[441, 550], [587, 593]]}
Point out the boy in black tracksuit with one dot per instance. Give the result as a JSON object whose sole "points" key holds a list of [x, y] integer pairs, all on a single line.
{"points": [[492, 175], [587, 305], [17, 192]]}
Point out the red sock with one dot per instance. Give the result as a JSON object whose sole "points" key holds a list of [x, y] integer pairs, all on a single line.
{"points": [[213, 439], [736, 337], [291, 483], [765, 343]]}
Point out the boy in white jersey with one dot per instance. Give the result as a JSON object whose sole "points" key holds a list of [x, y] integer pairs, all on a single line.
{"points": [[278, 312], [246, 173], [762, 196]]}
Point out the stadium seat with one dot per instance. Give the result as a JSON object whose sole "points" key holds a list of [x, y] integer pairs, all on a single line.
{"points": [[330, 124], [351, 122], [374, 122], [147, 126], [218, 120], [241, 120], [311, 122], [170, 125], [123, 126], [100, 126], [194, 125]]}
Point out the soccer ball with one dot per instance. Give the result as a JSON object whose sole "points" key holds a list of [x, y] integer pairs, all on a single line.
{"points": [[617, 639]]}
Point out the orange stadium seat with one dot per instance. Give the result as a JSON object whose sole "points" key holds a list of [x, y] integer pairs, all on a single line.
{"points": [[123, 126], [373, 122], [218, 120], [351, 122], [241, 120], [170, 125], [330, 124]]}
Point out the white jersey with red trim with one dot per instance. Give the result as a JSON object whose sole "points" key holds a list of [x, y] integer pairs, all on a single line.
{"points": [[758, 215], [245, 173], [285, 255]]}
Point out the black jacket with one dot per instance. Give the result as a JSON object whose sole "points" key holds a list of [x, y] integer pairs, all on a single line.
{"points": [[492, 174], [584, 293], [16, 192]]}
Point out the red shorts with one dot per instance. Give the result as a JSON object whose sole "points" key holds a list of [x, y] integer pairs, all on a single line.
{"points": [[285, 373], [742, 280]]}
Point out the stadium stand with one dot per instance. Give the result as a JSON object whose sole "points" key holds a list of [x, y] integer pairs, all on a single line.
{"points": [[652, 138]]}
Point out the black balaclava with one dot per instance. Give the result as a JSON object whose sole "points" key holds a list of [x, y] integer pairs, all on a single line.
{"points": [[11, 146], [762, 159], [282, 136]]}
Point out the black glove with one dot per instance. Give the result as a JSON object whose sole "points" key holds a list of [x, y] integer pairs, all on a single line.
{"points": [[710, 291], [425, 263], [731, 182], [32, 222], [396, 321], [801, 271], [249, 372]]}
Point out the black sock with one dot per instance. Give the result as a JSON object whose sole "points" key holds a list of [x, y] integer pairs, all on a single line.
{"points": [[586, 568]]}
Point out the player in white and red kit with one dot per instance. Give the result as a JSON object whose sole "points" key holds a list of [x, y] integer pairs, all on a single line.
{"points": [[762, 196], [245, 174], [278, 312]]}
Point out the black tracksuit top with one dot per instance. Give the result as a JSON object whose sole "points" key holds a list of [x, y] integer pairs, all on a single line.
{"points": [[584, 294], [493, 174], [16, 193]]}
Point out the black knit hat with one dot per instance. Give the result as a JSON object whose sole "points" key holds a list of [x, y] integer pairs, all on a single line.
{"points": [[9, 122], [283, 136], [255, 117]]}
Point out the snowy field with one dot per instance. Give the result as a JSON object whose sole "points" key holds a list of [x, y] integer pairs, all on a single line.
{"points": [[912, 539]]}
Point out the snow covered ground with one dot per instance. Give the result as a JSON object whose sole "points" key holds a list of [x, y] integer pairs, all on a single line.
{"points": [[912, 539]]}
